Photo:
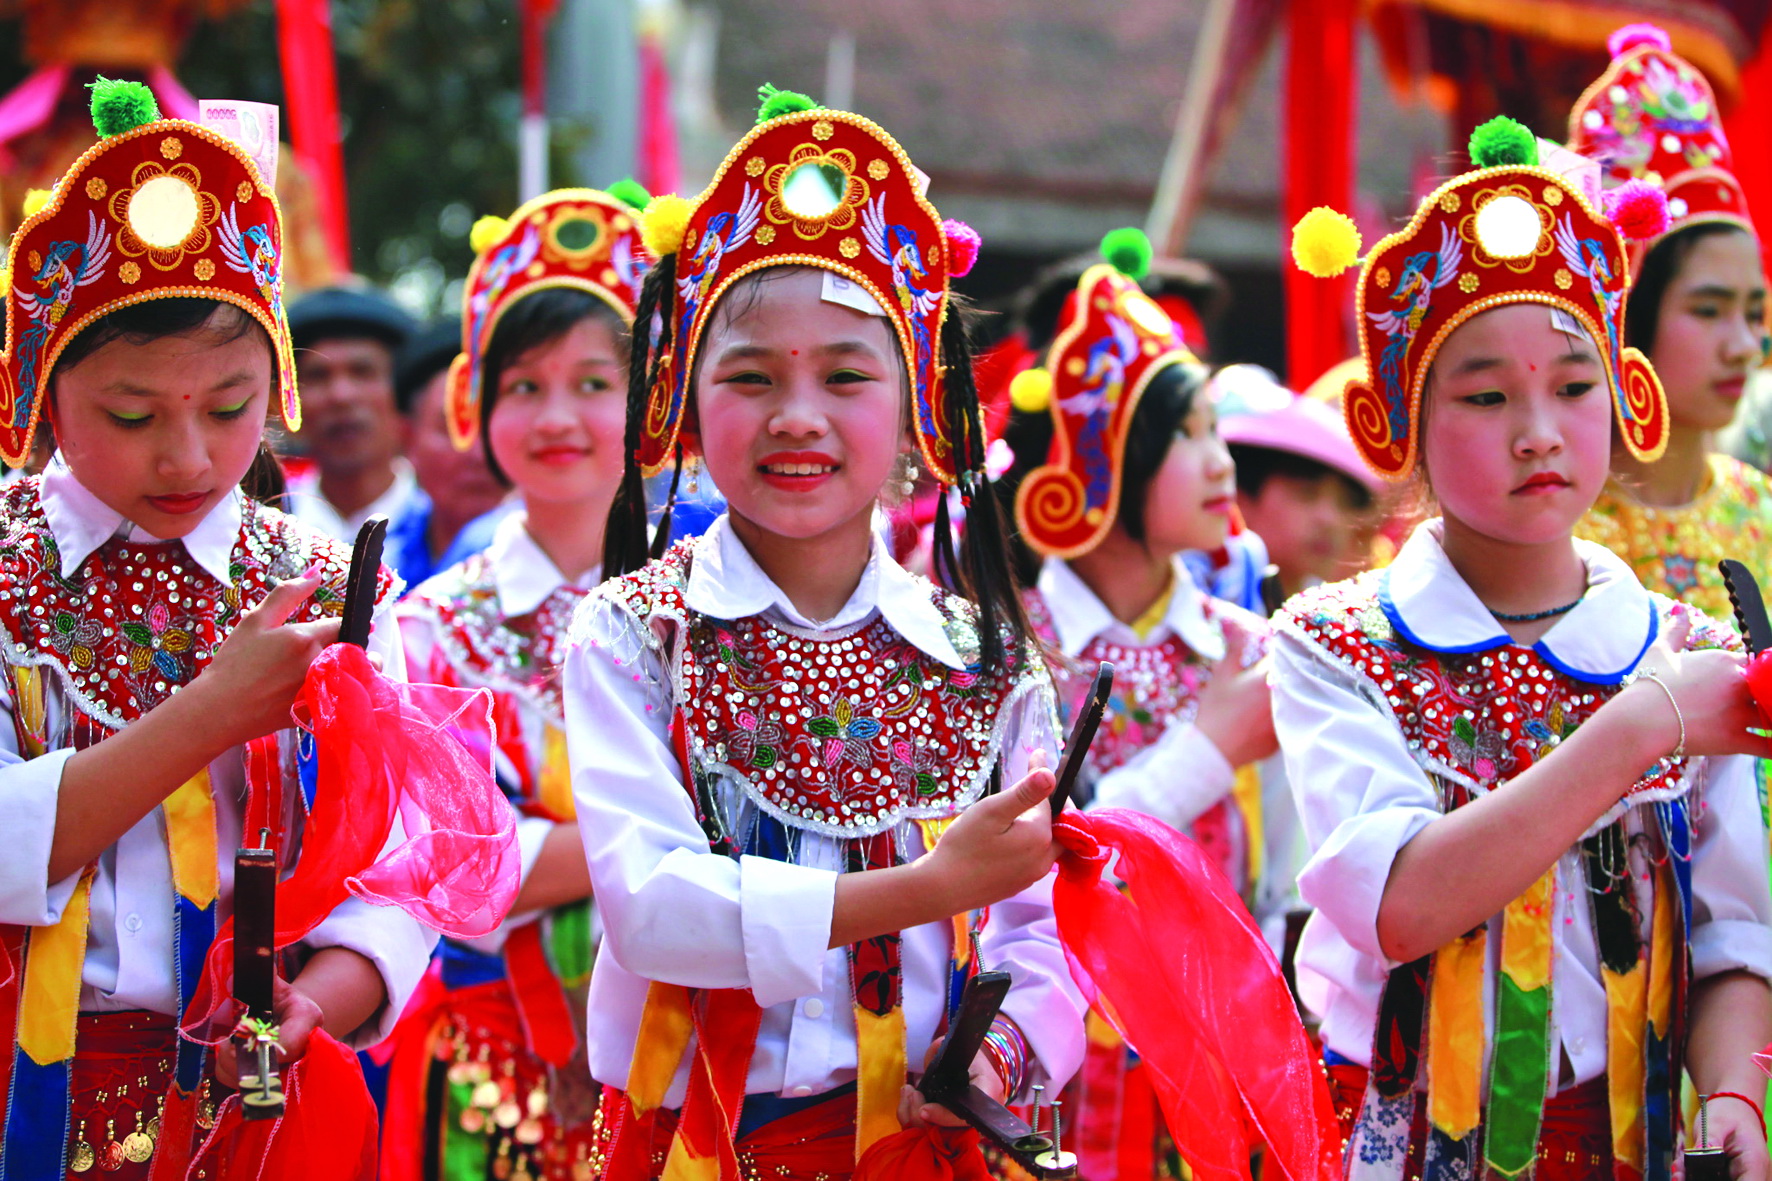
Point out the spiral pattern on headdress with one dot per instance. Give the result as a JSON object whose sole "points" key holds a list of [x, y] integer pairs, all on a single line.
{"points": [[462, 404], [15, 441], [1642, 406], [1368, 421], [660, 426], [1050, 506]]}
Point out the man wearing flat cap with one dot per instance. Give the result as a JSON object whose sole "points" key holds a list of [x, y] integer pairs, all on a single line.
{"points": [[345, 342]]}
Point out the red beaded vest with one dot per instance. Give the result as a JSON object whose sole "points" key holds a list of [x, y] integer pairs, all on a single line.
{"points": [[1473, 721]]}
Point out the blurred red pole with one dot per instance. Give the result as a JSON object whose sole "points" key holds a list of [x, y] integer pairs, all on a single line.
{"points": [[532, 135], [1749, 128], [310, 94], [1317, 169], [534, 16], [656, 167]]}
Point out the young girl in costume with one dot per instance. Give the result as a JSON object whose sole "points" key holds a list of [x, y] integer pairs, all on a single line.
{"points": [[771, 725], [541, 383], [1540, 880], [1697, 309], [1118, 468], [158, 625]]}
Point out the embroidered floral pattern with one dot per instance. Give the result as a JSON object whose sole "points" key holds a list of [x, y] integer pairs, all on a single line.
{"points": [[845, 734], [1485, 716], [1675, 551], [136, 621], [1156, 686], [516, 654]]}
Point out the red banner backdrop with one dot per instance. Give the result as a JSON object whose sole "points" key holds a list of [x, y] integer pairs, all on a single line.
{"points": [[310, 97], [1317, 169]]}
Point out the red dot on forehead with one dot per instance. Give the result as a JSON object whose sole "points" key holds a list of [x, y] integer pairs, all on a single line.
{"points": [[793, 352], [187, 397], [1531, 368]]}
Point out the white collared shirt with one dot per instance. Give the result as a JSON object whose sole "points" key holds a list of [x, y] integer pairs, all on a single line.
{"points": [[1183, 773], [309, 505], [675, 912], [129, 947], [1363, 796], [523, 576]]}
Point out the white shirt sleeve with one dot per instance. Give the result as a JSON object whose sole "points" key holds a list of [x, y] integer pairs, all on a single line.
{"points": [[1361, 796], [1731, 906], [29, 791], [1174, 779], [673, 911]]}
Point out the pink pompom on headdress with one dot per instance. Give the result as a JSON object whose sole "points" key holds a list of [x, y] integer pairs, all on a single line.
{"points": [[1638, 209], [963, 246], [1623, 40]]}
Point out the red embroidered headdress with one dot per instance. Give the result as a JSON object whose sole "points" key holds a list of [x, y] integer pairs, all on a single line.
{"points": [[1510, 232], [157, 208], [578, 238], [1112, 340], [820, 188], [1652, 117]]}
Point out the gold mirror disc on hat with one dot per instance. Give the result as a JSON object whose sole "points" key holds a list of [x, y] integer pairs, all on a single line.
{"points": [[164, 211], [814, 189]]}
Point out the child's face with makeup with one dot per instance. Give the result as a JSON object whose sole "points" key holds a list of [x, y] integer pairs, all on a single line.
{"points": [[800, 407], [1517, 425], [1707, 332], [162, 431]]}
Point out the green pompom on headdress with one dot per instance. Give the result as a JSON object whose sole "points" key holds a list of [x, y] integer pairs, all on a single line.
{"points": [[1128, 250], [119, 106], [773, 103], [1503, 142], [630, 192]]}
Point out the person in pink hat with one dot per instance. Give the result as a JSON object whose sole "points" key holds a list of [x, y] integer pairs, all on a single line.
{"points": [[1300, 484]]}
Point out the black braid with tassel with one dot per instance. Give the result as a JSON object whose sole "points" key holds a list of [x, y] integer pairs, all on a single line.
{"points": [[986, 575], [624, 536]]}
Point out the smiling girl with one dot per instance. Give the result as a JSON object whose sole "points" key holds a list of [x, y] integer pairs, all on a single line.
{"points": [[1118, 469], [540, 384], [158, 626], [1697, 309], [1527, 924], [771, 725]]}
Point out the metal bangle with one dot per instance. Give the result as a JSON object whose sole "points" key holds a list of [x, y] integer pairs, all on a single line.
{"points": [[1651, 674]]}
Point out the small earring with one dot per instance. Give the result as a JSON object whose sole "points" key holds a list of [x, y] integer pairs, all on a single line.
{"points": [[694, 477], [910, 480]]}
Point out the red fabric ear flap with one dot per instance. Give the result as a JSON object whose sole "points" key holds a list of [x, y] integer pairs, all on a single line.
{"points": [[462, 406], [1368, 422], [1642, 407]]}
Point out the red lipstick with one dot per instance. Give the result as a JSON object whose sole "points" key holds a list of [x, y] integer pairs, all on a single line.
{"points": [[179, 504], [797, 471], [1541, 482]]}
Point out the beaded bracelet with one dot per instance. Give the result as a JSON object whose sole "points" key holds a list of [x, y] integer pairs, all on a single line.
{"points": [[1006, 1049], [1752, 1106]]}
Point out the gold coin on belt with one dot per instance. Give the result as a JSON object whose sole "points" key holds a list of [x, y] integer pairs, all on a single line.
{"points": [[487, 1095], [137, 1148], [529, 1132], [507, 1115], [473, 1121], [81, 1157]]}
